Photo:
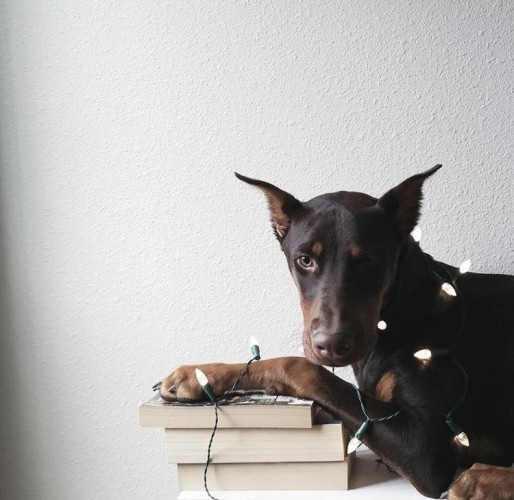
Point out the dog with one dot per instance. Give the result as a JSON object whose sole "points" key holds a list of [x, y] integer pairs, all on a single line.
{"points": [[356, 266]]}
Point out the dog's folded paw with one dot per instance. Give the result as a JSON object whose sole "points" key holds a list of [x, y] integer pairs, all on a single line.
{"points": [[182, 385], [484, 482]]}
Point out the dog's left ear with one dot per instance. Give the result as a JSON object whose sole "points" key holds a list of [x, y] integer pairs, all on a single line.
{"points": [[282, 206], [403, 202]]}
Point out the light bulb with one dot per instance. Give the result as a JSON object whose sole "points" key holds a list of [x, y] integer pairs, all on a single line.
{"points": [[353, 445], [253, 341], [201, 377], [423, 354], [355, 442], [254, 346], [460, 435], [428, 354], [447, 288], [462, 438], [204, 382], [381, 325], [465, 266], [416, 234]]}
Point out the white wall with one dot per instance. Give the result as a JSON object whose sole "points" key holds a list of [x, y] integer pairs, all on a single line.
{"points": [[128, 246]]}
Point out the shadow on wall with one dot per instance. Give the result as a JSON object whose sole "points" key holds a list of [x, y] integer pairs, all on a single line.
{"points": [[15, 469]]}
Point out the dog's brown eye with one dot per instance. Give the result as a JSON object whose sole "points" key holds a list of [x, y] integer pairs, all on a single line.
{"points": [[305, 261]]}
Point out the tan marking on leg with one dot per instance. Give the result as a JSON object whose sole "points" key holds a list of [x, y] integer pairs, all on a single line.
{"points": [[317, 248], [385, 387]]}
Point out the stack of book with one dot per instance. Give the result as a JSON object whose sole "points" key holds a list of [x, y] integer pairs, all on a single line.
{"points": [[262, 443]]}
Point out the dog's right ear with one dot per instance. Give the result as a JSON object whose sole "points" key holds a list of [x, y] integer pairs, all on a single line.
{"points": [[282, 206], [403, 202]]}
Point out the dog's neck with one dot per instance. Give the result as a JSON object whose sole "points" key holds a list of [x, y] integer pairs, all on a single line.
{"points": [[413, 299], [412, 267]]}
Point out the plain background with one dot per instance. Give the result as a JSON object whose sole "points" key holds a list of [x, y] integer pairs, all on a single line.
{"points": [[128, 246]]}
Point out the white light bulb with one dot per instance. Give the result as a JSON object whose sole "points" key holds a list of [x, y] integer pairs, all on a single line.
{"points": [[462, 439], [254, 346], [423, 354], [416, 234], [353, 445], [447, 288], [201, 377], [465, 266], [381, 325]]}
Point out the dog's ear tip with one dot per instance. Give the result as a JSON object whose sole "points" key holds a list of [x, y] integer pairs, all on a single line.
{"points": [[253, 182], [426, 174], [240, 177]]}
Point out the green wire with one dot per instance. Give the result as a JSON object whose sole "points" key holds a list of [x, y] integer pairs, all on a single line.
{"points": [[455, 360]]}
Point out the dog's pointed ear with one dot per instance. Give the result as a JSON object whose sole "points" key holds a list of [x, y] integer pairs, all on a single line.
{"points": [[403, 203], [282, 206]]}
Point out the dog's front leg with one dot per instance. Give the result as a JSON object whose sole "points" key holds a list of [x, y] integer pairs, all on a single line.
{"points": [[416, 443], [273, 376]]}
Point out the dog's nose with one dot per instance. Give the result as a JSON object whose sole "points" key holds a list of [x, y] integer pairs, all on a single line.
{"points": [[331, 345]]}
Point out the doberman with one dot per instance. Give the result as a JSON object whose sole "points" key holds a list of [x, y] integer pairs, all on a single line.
{"points": [[355, 264]]}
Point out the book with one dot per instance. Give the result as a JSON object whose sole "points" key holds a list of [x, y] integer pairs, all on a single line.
{"points": [[320, 443], [242, 410], [267, 476]]}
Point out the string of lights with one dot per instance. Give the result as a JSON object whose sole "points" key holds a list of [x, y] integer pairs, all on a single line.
{"points": [[425, 355], [208, 390]]}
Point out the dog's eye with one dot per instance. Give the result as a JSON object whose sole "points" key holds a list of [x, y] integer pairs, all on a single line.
{"points": [[305, 261]]}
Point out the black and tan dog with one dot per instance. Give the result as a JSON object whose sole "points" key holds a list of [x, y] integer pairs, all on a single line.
{"points": [[355, 264]]}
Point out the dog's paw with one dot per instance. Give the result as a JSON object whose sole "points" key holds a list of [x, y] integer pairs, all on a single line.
{"points": [[182, 385], [484, 482]]}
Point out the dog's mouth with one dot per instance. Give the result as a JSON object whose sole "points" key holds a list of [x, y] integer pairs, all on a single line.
{"points": [[331, 362]]}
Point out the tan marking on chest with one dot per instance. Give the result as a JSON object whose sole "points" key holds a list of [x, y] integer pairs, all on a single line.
{"points": [[385, 387]]}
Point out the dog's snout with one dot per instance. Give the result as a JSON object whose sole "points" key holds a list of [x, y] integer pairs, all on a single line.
{"points": [[332, 346]]}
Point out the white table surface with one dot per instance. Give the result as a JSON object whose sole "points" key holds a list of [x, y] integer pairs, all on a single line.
{"points": [[368, 481]]}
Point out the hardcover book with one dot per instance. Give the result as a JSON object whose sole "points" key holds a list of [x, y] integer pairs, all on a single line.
{"points": [[320, 443], [267, 476], [242, 409]]}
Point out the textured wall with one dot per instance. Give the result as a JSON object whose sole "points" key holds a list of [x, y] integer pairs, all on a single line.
{"points": [[127, 245]]}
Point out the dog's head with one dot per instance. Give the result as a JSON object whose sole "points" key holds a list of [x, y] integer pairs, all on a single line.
{"points": [[342, 251]]}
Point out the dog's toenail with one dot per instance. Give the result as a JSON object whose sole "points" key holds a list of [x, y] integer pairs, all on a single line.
{"points": [[173, 388]]}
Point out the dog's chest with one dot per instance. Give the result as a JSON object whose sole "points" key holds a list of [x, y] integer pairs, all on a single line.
{"points": [[377, 376]]}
